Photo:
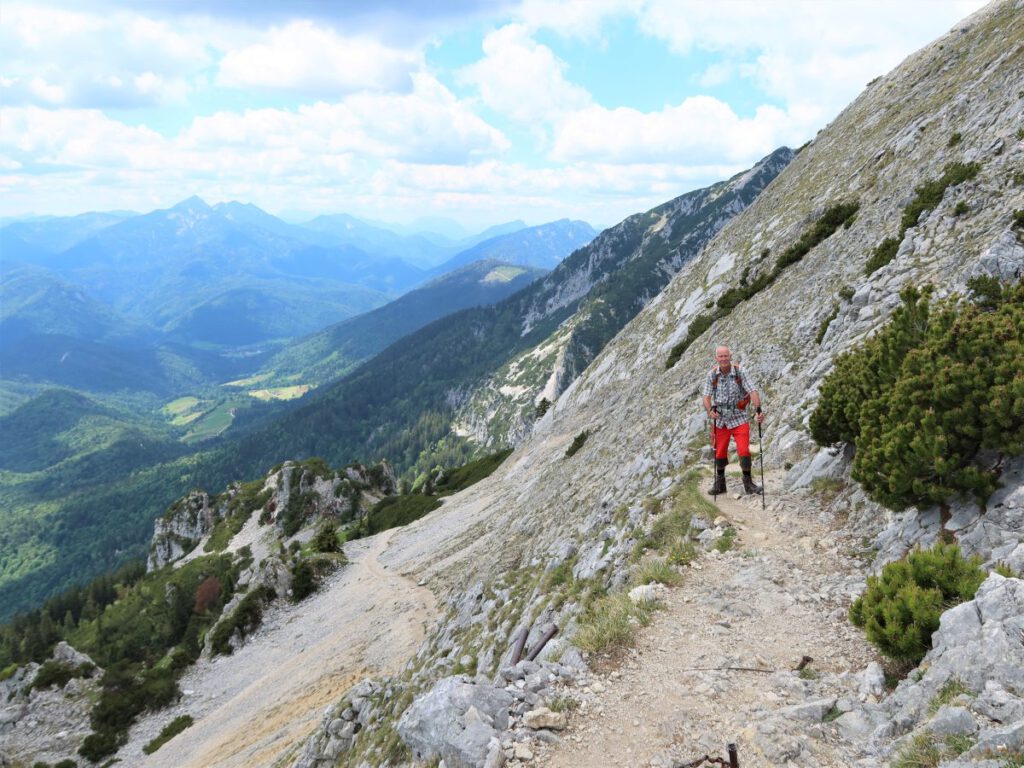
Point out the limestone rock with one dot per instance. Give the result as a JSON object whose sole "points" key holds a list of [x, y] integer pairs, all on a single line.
{"points": [[435, 725]]}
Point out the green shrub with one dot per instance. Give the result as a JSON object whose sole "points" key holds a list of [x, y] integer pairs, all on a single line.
{"points": [[326, 538], [955, 139], [925, 396], [303, 580], [172, 729], [1018, 219], [961, 208], [825, 323], [884, 252], [245, 618], [930, 193], [57, 674], [577, 443], [900, 609], [460, 478], [846, 293]]}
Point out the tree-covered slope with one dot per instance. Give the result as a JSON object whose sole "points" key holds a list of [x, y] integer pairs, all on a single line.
{"points": [[336, 350]]}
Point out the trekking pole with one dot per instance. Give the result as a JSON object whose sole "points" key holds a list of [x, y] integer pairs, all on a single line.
{"points": [[714, 464], [760, 450]]}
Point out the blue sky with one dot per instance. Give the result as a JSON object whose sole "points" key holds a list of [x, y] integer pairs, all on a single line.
{"points": [[480, 112]]}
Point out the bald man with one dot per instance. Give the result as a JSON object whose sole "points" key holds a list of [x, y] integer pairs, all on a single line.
{"points": [[727, 391]]}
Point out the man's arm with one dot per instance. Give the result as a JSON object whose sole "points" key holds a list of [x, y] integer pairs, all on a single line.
{"points": [[707, 404]]}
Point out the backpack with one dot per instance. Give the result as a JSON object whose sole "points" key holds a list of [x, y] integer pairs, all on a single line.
{"points": [[716, 372]]}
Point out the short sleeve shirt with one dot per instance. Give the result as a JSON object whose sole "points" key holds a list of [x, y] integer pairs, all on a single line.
{"points": [[732, 387]]}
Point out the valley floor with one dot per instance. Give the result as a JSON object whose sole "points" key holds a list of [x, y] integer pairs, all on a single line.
{"points": [[780, 594], [265, 698]]}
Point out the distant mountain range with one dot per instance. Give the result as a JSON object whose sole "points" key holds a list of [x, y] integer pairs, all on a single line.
{"points": [[201, 273]]}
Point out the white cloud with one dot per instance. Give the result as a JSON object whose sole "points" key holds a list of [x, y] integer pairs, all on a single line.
{"points": [[522, 79], [700, 130], [573, 18], [302, 57], [804, 52], [67, 58]]}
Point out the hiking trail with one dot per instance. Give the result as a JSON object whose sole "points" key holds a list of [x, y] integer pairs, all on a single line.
{"points": [[781, 593]]}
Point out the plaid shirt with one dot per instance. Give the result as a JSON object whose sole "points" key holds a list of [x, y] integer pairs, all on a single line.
{"points": [[727, 394]]}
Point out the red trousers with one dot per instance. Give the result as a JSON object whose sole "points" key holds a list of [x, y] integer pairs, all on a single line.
{"points": [[721, 440]]}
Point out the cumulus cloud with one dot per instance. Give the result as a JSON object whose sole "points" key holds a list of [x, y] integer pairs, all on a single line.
{"points": [[699, 130], [305, 58], [67, 58], [522, 79]]}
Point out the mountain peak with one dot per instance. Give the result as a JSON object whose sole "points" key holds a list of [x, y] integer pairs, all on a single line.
{"points": [[192, 204]]}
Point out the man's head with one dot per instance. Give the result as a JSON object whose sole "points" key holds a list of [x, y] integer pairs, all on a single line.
{"points": [[724, 357]]}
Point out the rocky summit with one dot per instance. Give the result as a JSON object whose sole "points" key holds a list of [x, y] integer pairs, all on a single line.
{"points": [[587, 604]]}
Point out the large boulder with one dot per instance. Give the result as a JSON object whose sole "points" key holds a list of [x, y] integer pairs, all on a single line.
{"points": [[457, 721]]}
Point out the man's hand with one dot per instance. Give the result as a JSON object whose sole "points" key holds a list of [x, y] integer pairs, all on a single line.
{"points": [[759, 416], [713, 414]]}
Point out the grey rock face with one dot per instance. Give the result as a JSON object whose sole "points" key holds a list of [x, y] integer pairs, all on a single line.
{"points": [[177, 532], [437, 725]]}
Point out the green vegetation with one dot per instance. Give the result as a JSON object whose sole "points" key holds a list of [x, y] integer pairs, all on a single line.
{"points": [[244, 619], [825, 323], [142, 629], [926, 197], [835, 216], [57, 674], [455, 480], [922, 751], [947, 693], [172, 729], [1018, 219], [928, 394], [577, 443], [955, 139], [883, 253], [653, 571], [961, 208], [611, 623], [724, 542], [326, 538], [900, 609]]}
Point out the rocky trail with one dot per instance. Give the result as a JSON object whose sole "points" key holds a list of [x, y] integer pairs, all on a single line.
{"points": [[781, 593], [253, 705]]}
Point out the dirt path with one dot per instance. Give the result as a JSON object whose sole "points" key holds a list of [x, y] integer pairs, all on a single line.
{"points": [[253, 705], [779, 595]]}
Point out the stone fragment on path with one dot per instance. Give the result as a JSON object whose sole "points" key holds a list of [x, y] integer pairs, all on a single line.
{"points": [[544, 718]]}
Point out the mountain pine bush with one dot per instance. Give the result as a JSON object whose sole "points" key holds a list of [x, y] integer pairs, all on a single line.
{"points": [[900, 609], [926, 397]]}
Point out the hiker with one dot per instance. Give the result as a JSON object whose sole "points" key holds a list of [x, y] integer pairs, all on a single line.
{"points": [[727, 392]]}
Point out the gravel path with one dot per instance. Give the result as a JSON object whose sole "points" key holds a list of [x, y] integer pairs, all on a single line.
{"points": [[270, 694], [780, 594]]}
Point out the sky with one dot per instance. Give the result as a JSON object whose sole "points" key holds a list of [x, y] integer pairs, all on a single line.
{"points": [[400, 110]]}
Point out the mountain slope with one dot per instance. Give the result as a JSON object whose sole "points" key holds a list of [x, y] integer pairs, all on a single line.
{"points": [[34, 300], [542, 246], [520, 550], [334, 351], [501, 411], [401, 402]]}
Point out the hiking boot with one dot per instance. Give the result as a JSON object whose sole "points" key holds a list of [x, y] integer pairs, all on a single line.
{"points": [[718, 486], [749, 486]]}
